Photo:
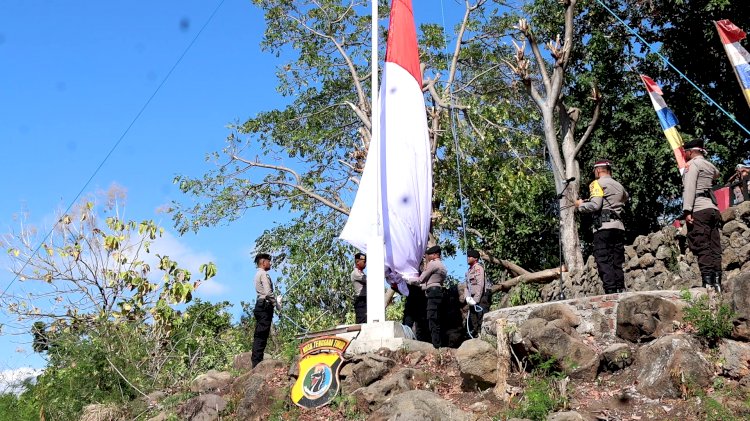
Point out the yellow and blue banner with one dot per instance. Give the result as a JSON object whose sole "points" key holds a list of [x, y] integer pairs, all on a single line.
{"points": [[668, 121], [319, 366]]}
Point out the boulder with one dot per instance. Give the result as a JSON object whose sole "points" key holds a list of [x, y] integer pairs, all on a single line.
{"points": [[572, 353], [642, 318], [258, 396], [268, 366], [477, 362], [737, 292], [212, 381], [566, 416], [616, 357], [735, 357], [669, 364], [733, 226], [411, 345], [242, 362], [371, 397], [557, 311], [202, 408], [646, 260], [420, 405], [367, 368]]}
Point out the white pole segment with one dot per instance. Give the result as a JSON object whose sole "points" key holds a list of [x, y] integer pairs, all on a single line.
{"points": [[375, 243]]}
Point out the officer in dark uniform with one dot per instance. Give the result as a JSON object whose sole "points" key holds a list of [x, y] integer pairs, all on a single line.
{"points": [[475, 293], [359, 279], [264, 304], [432, 280], [607, 198], [699, 206]]}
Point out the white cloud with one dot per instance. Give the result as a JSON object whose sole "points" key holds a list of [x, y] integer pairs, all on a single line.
{"points": [[11, 381], [211, 288]]}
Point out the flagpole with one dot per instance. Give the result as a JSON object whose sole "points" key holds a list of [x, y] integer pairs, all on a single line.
{"points": [[375, 243]]}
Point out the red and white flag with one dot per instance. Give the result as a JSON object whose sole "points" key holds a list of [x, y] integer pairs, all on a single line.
{"points": [[399, 159]]}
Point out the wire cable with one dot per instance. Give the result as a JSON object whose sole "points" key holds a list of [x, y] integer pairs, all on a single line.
{"points": [[117, 143]]}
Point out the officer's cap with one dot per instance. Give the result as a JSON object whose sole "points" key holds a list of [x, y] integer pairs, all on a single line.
{"points": [[359, 256], [741, 167], [260, 256], [696, 144], [433, 250], [472, 253], [603, 163]]}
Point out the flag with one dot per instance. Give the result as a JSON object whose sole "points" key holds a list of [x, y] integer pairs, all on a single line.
{"points": [[399, 159], [667, 119], [731, 36]]}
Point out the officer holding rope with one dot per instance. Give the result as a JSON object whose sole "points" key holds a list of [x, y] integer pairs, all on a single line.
{"points": [[264, 305], [475, 294]]}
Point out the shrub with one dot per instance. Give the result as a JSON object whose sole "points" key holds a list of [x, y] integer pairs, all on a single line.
{"points": [[524, 294], [710, 323]]}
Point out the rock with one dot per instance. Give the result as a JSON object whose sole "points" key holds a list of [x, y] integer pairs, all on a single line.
{"points": [[573, 354], [556, 311], [642, 245], [646, 260], [411, 345], [735, 357], [482, 406], [664, 253], [268, 366], [100, 412], [294, 367], [566, 416], [477, 361], [668, 364], [630, 252], [656, 240], [733, 226], [419, 405], [162, 416], [371, 397], [737, 240], [742, 210], [737, 292], [212, 381], [367, 368], [202, 408], [154, 397], [616, 357], [242, 362], [642, 318], [258, 396]]}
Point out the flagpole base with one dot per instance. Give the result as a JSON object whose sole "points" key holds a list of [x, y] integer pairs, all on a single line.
{"points": [[374, 336]]}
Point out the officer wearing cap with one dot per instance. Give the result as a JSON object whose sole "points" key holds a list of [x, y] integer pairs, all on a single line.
{"points": [[699, 207], [607, 198], [475, 292], [264, 304], [359, 279], [431, 280], [740, 184]]}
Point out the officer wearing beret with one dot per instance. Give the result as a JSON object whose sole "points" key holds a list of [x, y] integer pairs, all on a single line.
{"points": [[475, 292], [699, 207], [264, 304], [432, 280], [359, 279], [607, 198]]}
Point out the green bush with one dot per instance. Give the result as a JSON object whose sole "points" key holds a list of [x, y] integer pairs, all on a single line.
{"points": [[710, 323], [19, 408], [523, 294], [542, 391]]}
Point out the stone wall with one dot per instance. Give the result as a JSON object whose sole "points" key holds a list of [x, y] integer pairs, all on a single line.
{"points": [[662, 261]]}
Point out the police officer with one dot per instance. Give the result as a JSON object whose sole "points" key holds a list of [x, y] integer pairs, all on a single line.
{"points": [[264, 304], [607, 198], [359, 279], [475, 293], [432, 280], [699, 207]]}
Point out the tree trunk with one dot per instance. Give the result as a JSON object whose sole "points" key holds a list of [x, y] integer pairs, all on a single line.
{"points": [[569, 229]]}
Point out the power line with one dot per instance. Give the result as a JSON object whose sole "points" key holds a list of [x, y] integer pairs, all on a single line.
{"points": [[122, 136]]}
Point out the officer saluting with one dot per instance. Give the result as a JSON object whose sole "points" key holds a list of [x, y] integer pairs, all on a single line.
{"points": [[701, 213], [264, 304], [431, 280], [606, 200]]}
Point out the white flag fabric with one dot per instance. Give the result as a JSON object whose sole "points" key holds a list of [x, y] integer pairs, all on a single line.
{"points": [[401, 153]]}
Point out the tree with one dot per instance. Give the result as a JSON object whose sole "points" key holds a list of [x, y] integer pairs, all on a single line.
{"points": [[559, 120]]}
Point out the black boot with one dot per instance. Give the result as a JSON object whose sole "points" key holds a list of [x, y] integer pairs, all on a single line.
{"points": [[716, 278], [708, 280]]}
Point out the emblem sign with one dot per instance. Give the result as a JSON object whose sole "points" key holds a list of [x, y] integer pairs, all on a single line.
{"points": [[319, 365]]}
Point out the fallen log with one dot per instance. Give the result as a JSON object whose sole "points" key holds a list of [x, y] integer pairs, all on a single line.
{"points": [[541, 277]]}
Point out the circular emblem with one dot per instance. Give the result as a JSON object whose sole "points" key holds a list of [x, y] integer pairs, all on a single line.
{"points": [[317, 381]]}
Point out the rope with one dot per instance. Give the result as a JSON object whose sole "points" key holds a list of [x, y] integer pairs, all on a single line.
{"points": [[705, 95], [117, 143]]}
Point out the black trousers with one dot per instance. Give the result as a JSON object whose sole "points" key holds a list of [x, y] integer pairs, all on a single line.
{"points": [[360, 309], [263, 313], [434, 301], [704, 240], [475, 317], [609, 252]]}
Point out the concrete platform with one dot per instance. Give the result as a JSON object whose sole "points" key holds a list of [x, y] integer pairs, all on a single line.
{"points": [[373, 336]]}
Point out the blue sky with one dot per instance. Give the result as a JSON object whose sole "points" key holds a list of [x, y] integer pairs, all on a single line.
{"points": [[73, 75]]}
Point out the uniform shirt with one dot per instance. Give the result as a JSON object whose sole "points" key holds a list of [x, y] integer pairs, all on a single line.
{"points": [[698, 177], [264, 286], [606, 194], [359, 279], [434, 274], [475, 281]]}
